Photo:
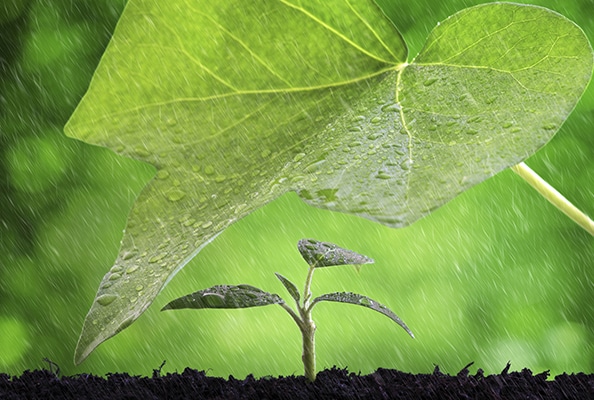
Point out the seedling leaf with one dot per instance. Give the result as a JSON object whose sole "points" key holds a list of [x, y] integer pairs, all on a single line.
{"points": [[360, 300], [290, 286], [225, 296], [323, 254], [314, 97]]}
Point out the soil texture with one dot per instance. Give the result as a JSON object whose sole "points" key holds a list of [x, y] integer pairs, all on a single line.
{"points": [[330, 384]]}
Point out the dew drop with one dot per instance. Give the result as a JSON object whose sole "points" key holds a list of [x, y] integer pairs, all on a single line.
{"points": [[116, 269], [265, 153], [209, 170], [162, 174], [139, 288], [405, 165], [298, 157], [175, 195], [142, 152], [206, 224], [128, 255], [376, 120], [220, 178], [365, 302], [354, 144], [430, 81], [507, 125], [189, 222], [549, 127], [132, 269], [391, 107], [157, 258], [383, 175], [471, 132], [114, 277], [314, 166], [106, 299]]}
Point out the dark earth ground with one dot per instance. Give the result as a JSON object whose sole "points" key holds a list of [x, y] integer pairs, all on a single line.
{"points": [[330, 384]]}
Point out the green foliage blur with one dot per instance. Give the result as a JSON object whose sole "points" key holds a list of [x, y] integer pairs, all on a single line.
{"points": [[496, 275]]}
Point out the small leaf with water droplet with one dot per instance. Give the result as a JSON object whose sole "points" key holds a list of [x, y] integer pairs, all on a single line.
{"points": [[360, 300], [323, 254], [225, 296]]}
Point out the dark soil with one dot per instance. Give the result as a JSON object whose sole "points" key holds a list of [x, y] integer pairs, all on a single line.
{"points": [[330, 384]]}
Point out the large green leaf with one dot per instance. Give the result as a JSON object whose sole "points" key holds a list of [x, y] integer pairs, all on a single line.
{"points": [[238, 102]]}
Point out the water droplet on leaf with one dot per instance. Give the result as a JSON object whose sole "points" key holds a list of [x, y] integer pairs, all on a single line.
{"points": [[176, 195], [162, 174], [430, 81], [157, 258], [106, 299]]}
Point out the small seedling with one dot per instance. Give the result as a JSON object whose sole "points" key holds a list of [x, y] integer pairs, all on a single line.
{"points": [[317, 255]]}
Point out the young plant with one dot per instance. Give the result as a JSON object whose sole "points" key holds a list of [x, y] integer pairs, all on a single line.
{"points": [[317, 255]]}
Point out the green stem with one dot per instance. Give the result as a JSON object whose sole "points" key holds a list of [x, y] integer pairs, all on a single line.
{"points": [[307, 289], [308, 330], [307, 327], [553, 196], [309, 350]]}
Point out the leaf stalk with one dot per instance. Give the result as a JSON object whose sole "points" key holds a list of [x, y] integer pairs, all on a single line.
{"points": [[554, 197]]}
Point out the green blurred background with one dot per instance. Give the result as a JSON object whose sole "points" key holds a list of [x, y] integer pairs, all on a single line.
{"points": [[496, 275]]}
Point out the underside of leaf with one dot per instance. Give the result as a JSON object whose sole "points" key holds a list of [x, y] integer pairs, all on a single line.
{"points": [[238, 102]]}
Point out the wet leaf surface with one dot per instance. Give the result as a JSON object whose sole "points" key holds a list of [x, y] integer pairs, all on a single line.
{"points": [[313, 97]]}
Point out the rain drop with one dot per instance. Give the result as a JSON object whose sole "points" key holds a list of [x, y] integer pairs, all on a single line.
{"points": [[365, 302], [157, 258], [430, 81], [298, 157], [128, 255], [189, 222], [114, 277], [132, 269], [395, 107], [383, 175], [549, 127], [265, 153], [162, 174], [106, 299], [142, 152], [175, 195]]}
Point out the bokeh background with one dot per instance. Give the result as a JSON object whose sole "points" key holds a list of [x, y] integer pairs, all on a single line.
{"points": [[496, 275]]}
